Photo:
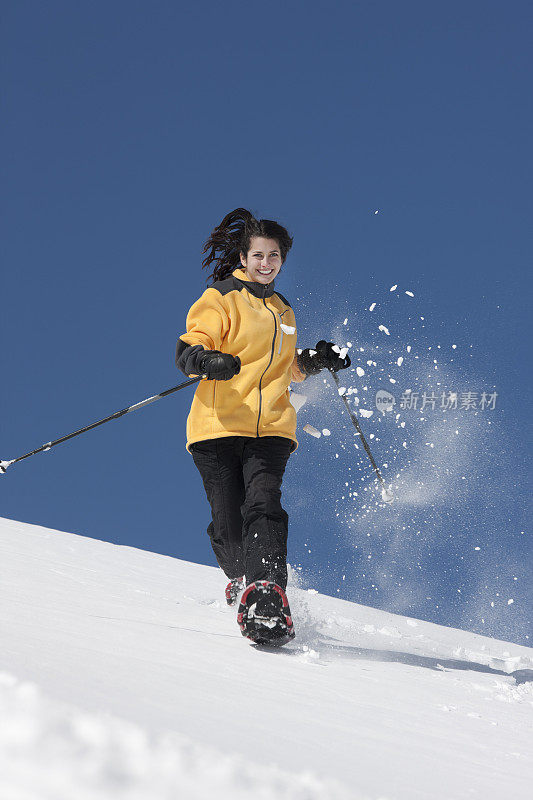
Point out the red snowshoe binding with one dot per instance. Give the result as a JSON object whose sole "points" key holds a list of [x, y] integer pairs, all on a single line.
{"points": [[264, 615], [233, 590]]}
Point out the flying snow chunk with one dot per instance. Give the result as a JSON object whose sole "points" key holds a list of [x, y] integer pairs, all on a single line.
{"points": [[376, 212], [408, 348], [400, 361], [365, 413], [454, 346], [345, 321], [290, 329], [326, 432], [384, 329], [410, 294], [360, 371], [386, 495], [297, 400], [372, 307], [342, 390], [393, 288], [312, 431]]}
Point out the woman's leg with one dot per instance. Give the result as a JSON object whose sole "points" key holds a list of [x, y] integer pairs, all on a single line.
{"points": [[220, 467], [265, 522]]}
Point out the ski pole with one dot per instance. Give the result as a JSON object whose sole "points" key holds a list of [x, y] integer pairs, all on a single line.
{"points": [[5, 464], [386, 494]]}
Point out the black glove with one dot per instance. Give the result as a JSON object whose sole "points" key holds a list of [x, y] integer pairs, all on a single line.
{"points": [[324, 357], [219, 366]]}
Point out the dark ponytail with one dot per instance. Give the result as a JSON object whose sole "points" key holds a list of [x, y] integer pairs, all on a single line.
{"points": [[233, 236]]}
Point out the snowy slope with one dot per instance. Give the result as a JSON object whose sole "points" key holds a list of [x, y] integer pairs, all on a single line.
{"points": [[123, 675]]}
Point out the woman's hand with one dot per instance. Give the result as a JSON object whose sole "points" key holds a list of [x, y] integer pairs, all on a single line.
{"points": [[322, 357], [219, 366]]}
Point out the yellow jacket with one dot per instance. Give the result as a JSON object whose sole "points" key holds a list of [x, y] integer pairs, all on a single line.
{"points": [[252, 321]]}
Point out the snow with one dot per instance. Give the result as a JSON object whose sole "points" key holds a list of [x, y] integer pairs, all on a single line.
{"points": [[52, 749], [384, 329], [372, 307], [311, 430], [123, 676], [297, 400], [360, 371], [289, 329], [387, 495]]}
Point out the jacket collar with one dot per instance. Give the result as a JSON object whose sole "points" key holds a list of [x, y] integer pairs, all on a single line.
{"points": [[258, 289]]}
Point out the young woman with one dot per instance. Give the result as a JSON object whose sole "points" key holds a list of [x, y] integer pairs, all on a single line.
{"points": [[241, 430]]}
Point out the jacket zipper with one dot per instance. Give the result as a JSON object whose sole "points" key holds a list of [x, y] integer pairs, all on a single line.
{"points": [[269, 363]]}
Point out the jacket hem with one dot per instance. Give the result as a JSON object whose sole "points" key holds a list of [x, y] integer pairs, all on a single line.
{"points": [[236, 433]]}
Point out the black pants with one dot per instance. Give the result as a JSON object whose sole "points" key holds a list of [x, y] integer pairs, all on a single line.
{"points": [[242, 478]]}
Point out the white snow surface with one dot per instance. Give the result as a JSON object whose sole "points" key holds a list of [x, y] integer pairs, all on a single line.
{"points": [[123, 676]]}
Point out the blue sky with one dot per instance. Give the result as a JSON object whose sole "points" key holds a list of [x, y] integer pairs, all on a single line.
{"points": [[130, 130]]}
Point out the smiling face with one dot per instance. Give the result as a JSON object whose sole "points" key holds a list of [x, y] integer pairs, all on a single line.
{"points": [[263, 260]]}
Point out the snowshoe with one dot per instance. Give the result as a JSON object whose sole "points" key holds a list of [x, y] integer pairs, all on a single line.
{"points": [[233, 590], [264, 615]]}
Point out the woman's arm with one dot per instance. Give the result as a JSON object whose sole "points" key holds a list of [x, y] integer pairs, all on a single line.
{"points": [[298, 376], [207, 323]]}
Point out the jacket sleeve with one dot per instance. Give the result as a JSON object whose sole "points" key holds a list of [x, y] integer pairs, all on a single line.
{"points": [[207, 323], [297, 373]]}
